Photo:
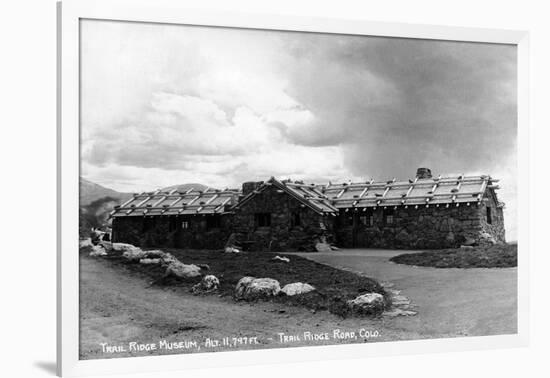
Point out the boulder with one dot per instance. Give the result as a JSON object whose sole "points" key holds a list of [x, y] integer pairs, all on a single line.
{"points": [[148, 261], [168, 258], [230, 249], [123, 247], [155, 254], [85, 243], [322, 247], [250, 288], [181, 270], [297, 288], [107, 246], [399, 312], [135, 254], [367, 304], [98, 250], [242, 285], [282, 259], [469, 242], [208, 283]]}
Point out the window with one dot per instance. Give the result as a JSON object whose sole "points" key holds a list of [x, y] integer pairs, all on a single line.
{"points": [[295, 219], [262, 219], [489, 216], [388, 216], [367, 219], [185, 225], [213, 221]]}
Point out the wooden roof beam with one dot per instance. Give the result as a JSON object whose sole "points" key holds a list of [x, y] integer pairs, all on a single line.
{"points": [[207, 202], [222, 204]]}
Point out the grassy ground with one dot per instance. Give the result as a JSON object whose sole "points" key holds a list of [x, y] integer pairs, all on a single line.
{"points": [[334, 287], [496, 256]]}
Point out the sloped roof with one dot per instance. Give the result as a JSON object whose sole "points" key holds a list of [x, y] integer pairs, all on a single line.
{"points": [[427, 191], [309, 195], [447, 191], [208, 201]]}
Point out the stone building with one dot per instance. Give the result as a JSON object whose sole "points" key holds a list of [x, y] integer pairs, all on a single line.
{"points": [[195, 219], [283, 216], [424, 213]]}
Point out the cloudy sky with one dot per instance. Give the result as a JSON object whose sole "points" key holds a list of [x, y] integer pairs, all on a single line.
{"points": [[166, 104]]}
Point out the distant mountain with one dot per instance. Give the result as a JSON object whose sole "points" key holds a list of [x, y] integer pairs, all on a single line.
{"points": [[90, 192], [185, 187], [96, 202]]}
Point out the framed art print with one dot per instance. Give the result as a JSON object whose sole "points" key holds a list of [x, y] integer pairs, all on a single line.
{"points": [[241, 189]]}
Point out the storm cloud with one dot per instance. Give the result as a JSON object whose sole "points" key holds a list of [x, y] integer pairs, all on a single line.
{"points": [[168, 104]]}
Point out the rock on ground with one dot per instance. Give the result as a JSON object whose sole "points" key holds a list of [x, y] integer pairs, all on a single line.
{"points": [[182, 270], [230, 249], [168, 258], [367, 304], [469, 242], [85, 243], [134, 254], [250, 288], [282, 259], [208, 283], [98, 250], [123, 247], [399, 312], [297, 288], [242, 285], [155, 254], [148, 261], [323, 247]]}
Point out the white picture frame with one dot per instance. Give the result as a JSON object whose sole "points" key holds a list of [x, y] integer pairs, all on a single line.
{"points": [[169, 11]]}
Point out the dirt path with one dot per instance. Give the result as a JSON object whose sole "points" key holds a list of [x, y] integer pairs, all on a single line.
{"points": [[450, 302]]}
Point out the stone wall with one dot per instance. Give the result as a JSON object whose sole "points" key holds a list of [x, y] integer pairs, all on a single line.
{"points": [[167, 231], [199, 235], [144, 232], [494, 230], [281, 235], [422, 228]]}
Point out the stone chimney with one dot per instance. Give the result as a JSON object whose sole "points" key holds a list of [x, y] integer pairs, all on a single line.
{"points": [[423, 173], [250, 186]]}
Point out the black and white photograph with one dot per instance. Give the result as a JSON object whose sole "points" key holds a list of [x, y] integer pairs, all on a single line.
{"points": [[245, 189]]}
